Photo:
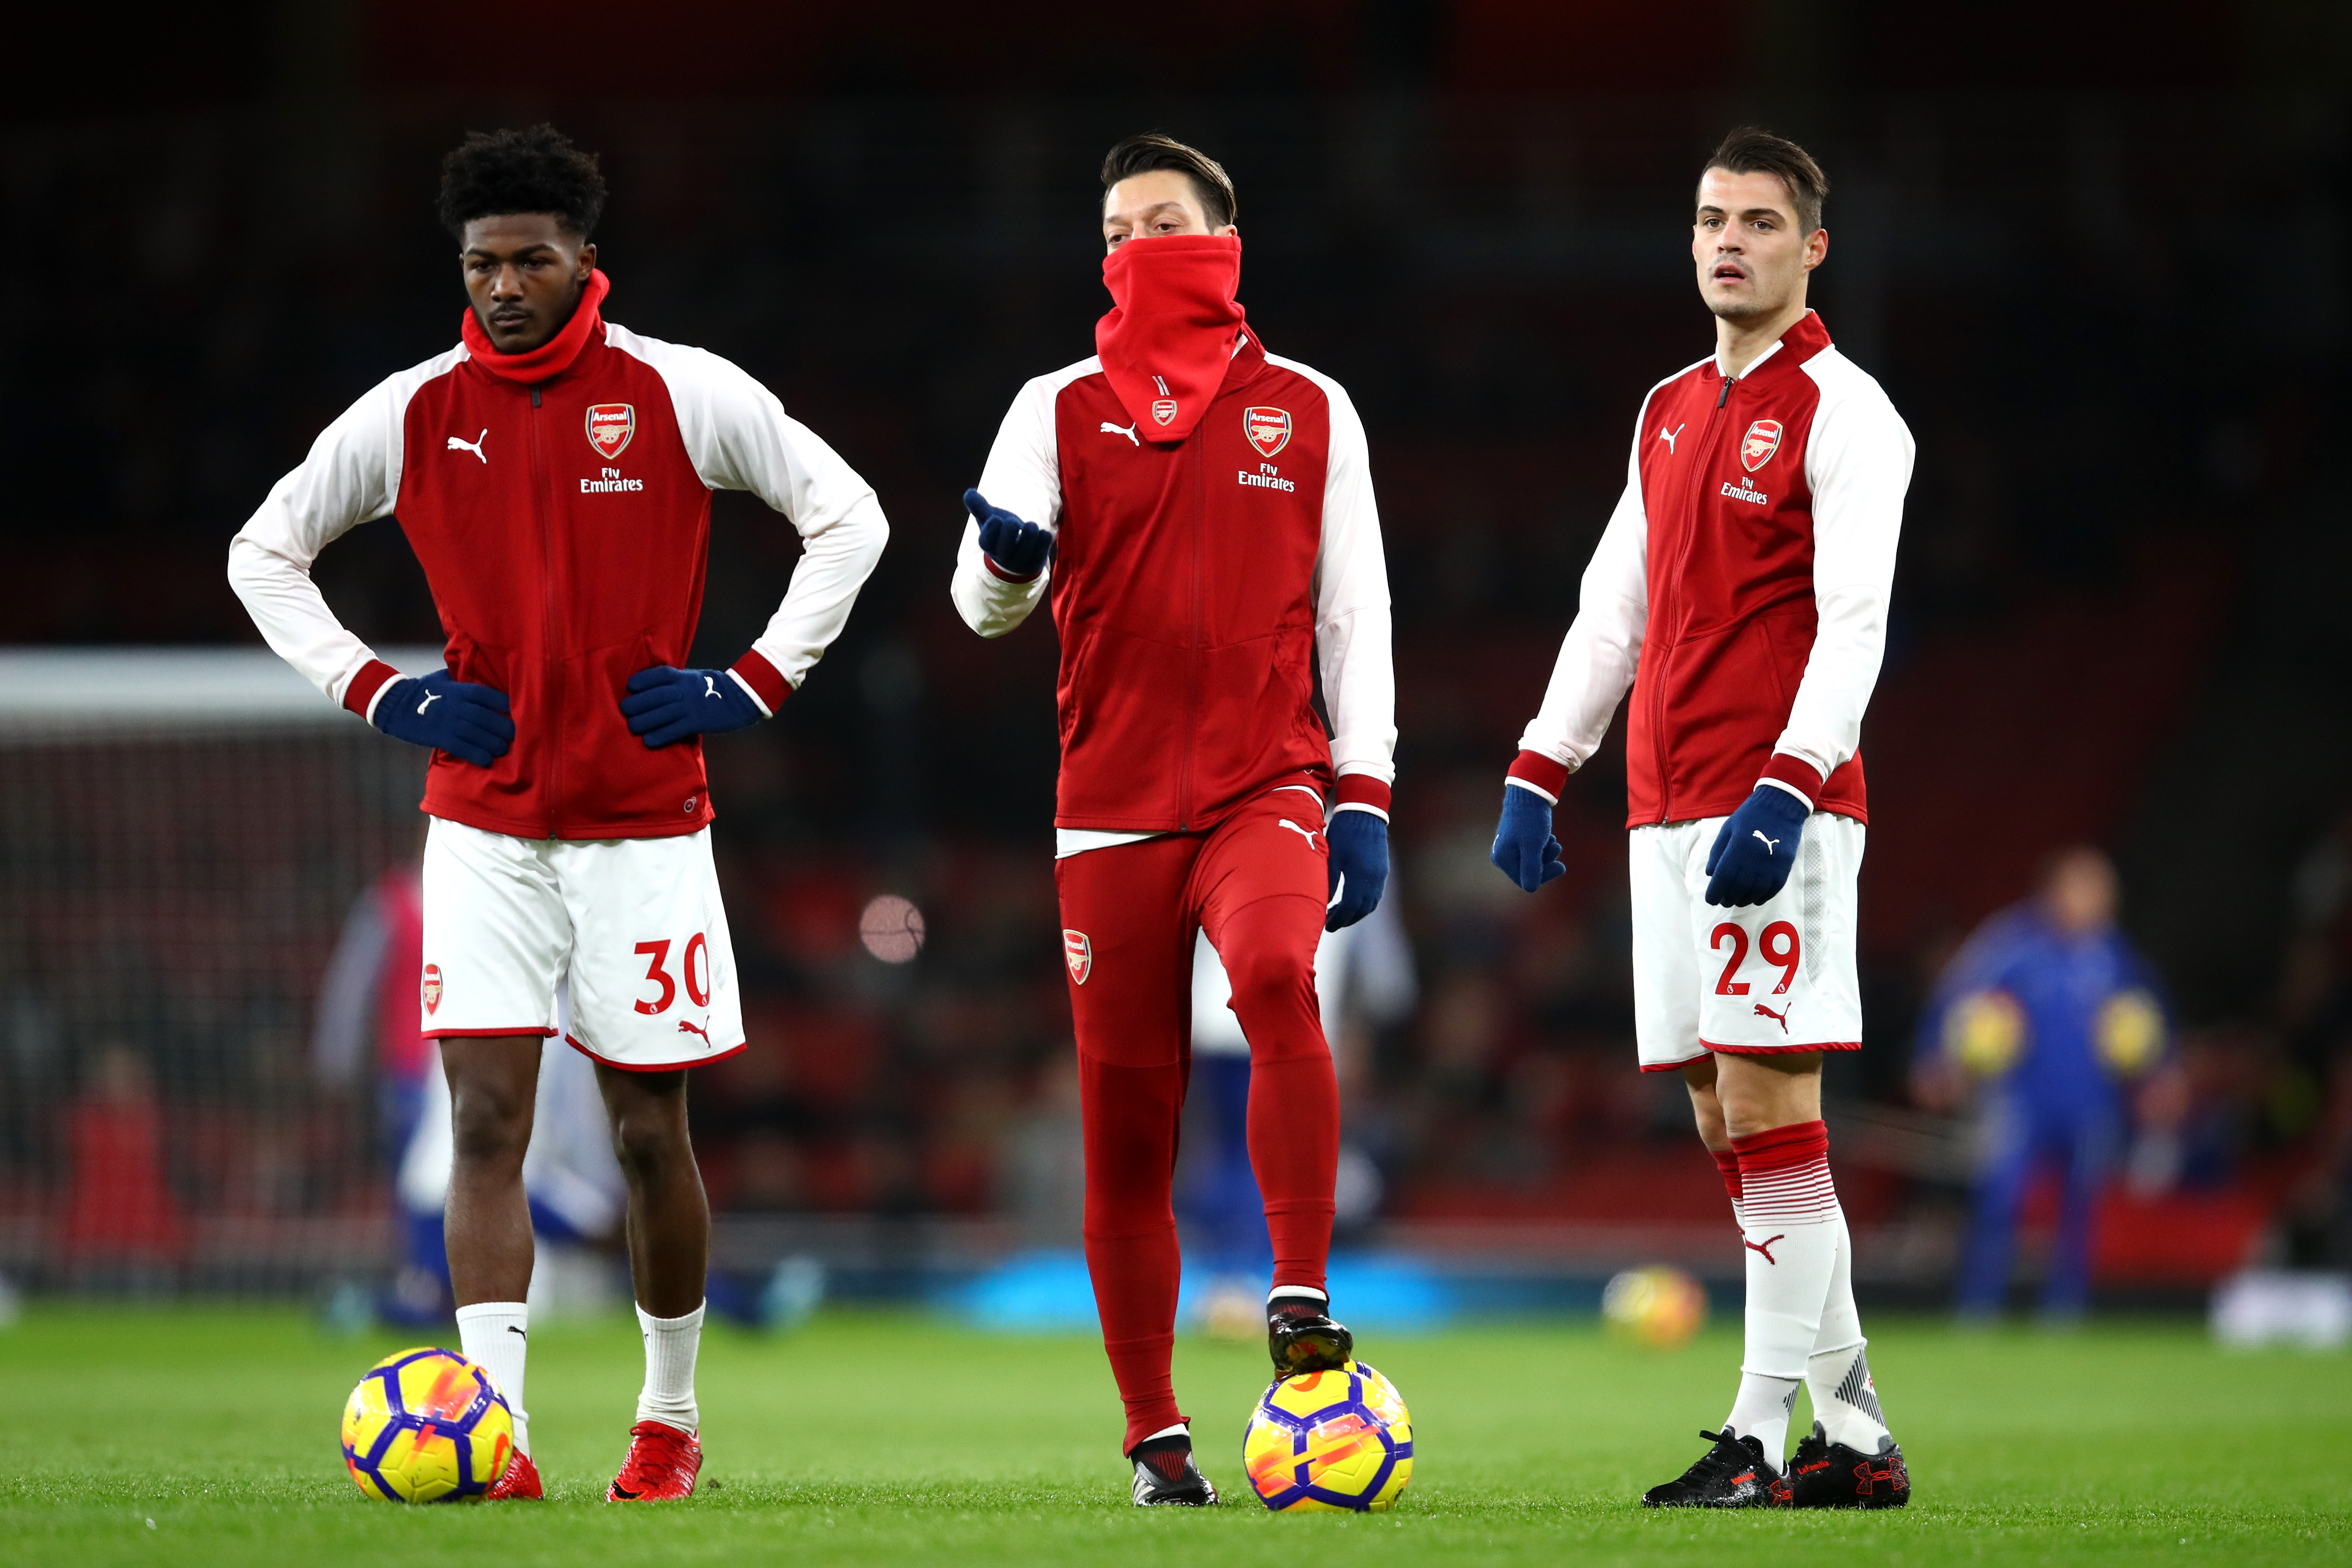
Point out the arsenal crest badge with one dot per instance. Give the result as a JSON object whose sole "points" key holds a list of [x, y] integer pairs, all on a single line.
{"points": [[1079, 954], [610, 426], [1163, 409], [432, 988], [1763, 439], [1268, 429]]}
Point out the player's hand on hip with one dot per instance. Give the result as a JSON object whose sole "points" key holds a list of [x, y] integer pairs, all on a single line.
{"points": [[469, 722], [665, 706], [1756, 848], [1019, 549], [1525, 849], [1360, 866]]}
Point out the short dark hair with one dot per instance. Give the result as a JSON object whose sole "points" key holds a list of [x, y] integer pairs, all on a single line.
{"points": [[1752, 149], [536, 170], [1157, 150]]}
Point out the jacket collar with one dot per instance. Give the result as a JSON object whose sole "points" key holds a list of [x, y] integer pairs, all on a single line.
{"points": [[1804, 339]]}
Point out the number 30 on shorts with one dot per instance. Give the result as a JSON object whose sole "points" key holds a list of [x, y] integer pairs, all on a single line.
{"points": [[1777, 947], [694, 969]]}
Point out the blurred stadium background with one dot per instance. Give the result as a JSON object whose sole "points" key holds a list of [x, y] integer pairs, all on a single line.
{"points": [[2093, 264]]}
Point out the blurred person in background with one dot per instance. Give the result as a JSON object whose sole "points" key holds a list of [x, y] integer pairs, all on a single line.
{"points": [[1202, 512], [553, 476], [1740, 589], [367, 1017], [122, 1225], [1363, 981], [2048, 1018]]}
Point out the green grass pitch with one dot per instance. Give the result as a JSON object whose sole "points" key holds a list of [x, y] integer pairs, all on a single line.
{"points": [[209, 1436]]}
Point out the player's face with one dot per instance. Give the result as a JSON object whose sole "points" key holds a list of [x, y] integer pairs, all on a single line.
{"points": [[1144, 206], [2081, 891], [1752, 261], [524, 275]]}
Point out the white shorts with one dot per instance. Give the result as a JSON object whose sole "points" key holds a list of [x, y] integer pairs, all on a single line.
{"points": [[634, 923], [1770, 977]]}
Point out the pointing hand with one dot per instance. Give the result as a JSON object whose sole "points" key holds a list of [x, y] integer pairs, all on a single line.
{"points": [[1019, 549]]}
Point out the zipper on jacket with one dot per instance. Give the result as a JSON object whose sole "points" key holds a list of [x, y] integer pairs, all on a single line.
{"points": [[1681, 562], [550, 722], [1196, 498]]}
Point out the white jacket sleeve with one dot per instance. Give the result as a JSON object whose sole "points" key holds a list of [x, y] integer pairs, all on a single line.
{"points": [[1023, 476], [1351, 609], [1604, 646], [1858, 465], [738, 437], [352, 476]]}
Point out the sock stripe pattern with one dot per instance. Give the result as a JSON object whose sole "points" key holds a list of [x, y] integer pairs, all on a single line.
{"points": [[1727, 1163], [1784, 1176], [1856, 1389]]}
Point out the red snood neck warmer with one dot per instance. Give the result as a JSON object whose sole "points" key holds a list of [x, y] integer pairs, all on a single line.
{"points": [[1169, 335], [554, 356]]}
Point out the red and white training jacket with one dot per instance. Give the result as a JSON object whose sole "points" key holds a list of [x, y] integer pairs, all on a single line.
{"points": [[564, 529], [1740, 589], [1193, 583]]}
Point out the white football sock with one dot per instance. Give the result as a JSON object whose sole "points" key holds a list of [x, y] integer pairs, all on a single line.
{"points": [[1761, 1412], [1307, 1290], [1845, 1399], [670, 1347], [1791, 1227], [496, 1336]]}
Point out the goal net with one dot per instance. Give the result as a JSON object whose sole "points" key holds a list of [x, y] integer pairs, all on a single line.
{"points": [[185, 835]]}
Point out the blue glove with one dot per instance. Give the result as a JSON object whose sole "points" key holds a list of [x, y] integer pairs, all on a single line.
{"points": [[1360, 866], [1022, 549], [665, 706], [1525, 849], [1757, 848], [439, 711]]}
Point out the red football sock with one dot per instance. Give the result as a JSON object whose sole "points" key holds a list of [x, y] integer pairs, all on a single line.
{"points": [[1130, 1115]]}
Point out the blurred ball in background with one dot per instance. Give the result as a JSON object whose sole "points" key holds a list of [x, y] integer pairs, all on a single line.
{"points": [[1658, 1306], [892, 928]]}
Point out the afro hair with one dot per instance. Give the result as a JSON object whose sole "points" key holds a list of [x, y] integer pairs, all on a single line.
{"points": [[533, 171]]}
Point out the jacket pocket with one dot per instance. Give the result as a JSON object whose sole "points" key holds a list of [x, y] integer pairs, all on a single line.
{"points": [[507, 786], [1071, 703], [1256, 709], [1723, 709], [1125, 714], [611, 777]]}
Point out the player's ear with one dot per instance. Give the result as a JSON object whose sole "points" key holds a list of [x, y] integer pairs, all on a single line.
{"points": [[587, 263], [1817, 248]]}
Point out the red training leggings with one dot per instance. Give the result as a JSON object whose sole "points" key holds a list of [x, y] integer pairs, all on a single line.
{"points": [[1257, 883]]}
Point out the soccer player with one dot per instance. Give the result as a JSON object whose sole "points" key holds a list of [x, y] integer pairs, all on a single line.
{"points": [[1202, 511], [554, 475], [1740, 589], [2055, 1013]]}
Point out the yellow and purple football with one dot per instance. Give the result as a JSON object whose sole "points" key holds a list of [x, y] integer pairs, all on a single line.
{"points": [[427, 1426], [1329, 1442]]}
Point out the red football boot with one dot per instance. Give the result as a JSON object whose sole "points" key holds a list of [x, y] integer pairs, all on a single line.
{"points": [[662, 1464], [519, 1484]]}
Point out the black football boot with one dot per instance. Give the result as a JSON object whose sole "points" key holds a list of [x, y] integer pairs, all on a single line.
{"points": [[1732, 1474], [1166, 1476], [1301, 1337], [1830, 1475]]}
